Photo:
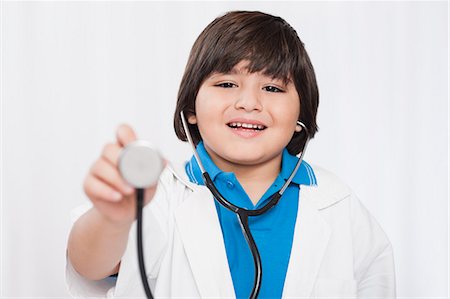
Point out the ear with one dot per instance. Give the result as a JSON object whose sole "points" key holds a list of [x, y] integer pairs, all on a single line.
{"points": [[192, 119]]}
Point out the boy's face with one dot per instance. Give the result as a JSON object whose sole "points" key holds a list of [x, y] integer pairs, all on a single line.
{"points": [[245, 119]]}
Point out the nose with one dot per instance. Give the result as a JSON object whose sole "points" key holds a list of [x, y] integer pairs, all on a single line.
{"points": [[249, 100]]}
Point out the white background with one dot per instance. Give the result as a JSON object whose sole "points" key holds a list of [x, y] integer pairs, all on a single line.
{"points": [[73, 71]]}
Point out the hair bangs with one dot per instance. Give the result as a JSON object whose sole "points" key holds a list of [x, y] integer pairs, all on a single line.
{"points": [[265, 45]]}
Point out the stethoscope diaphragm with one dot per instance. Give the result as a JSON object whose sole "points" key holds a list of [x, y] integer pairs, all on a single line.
{"points": [[140, 164]]}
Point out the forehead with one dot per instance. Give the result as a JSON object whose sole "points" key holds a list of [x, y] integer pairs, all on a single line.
{"points": [[241, 67], [244, 67]]}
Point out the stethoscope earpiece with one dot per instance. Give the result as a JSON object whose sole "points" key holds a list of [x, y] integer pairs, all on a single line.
{"points": [[300, 127]]}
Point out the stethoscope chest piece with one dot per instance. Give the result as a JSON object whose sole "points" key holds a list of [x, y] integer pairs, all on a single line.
{"points": [[140, 164]]}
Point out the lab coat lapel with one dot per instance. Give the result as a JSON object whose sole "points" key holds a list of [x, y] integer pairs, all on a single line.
{"points": [[310, 240], [200, 231]]}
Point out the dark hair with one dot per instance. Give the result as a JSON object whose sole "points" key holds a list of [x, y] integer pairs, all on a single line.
{"points": [[270, 45]]}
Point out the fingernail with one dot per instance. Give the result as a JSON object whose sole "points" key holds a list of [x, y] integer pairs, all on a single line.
{"points": [[116, 196]]}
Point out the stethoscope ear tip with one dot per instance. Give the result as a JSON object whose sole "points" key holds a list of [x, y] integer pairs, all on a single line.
{"points": [[300, 127]]}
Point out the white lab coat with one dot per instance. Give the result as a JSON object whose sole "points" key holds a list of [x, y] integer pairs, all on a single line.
{"points": [[338, 250]]}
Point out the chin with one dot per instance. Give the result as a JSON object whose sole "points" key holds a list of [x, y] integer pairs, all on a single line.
{"points": [[246, 159]]}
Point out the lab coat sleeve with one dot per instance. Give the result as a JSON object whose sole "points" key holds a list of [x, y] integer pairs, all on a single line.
{"points": [[373, 255], [77, 285], [81, 287]]}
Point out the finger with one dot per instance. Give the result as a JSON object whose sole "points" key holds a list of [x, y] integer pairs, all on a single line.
{"points": [[125, 134], [109, 174], [111, 153], [95, 189]]}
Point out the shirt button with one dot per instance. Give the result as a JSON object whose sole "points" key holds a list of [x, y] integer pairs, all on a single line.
{"points": [[230, 184]]}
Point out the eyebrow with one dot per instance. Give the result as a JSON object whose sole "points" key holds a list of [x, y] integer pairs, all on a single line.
{"points": [[235, 71]]}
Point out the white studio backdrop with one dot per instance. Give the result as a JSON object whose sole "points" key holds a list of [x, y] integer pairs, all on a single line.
{"points": [[73, 71]]}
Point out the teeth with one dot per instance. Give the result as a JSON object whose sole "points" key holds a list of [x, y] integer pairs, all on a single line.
{"points": [[247, 126]]}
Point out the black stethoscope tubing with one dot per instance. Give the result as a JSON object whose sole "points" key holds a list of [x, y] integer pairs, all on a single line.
{"points": [[140, 247], [242, 216], [241, 213]]}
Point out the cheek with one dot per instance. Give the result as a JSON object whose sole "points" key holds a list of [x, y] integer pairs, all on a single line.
{"points": [[202, 106], [209, 113], [287, 114], [210, 104], [200, 103]]}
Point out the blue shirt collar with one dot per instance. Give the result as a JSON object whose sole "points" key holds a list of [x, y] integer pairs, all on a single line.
{"points": [[304, 176]]}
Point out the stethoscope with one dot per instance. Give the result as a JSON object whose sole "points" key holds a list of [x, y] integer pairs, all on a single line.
{"points": [[140, 165]]}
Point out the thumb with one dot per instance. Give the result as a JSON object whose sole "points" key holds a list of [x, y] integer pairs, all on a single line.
{"points": [[125, 134]]}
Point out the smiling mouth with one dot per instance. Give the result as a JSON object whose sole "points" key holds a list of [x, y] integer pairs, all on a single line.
{"points": [[245, 126]]}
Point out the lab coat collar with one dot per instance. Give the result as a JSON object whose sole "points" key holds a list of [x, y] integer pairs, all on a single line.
{"points": [[198, 224], [329, 191], [311, 236], [201, 235]]}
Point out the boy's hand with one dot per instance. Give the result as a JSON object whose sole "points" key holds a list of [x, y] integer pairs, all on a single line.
{"points": [[110, 194]]}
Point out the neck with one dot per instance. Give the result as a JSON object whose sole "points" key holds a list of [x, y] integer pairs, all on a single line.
{"points": [[264, 172], [255, 178]]}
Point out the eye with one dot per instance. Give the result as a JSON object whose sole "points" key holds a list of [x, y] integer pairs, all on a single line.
{"points": [[226, 85], [271, 88]]}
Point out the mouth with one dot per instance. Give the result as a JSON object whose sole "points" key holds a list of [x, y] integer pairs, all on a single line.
{"points": [[246, 126]]}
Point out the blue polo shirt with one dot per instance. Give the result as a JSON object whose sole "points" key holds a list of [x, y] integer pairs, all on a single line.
{"points": [[273, 231]]}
